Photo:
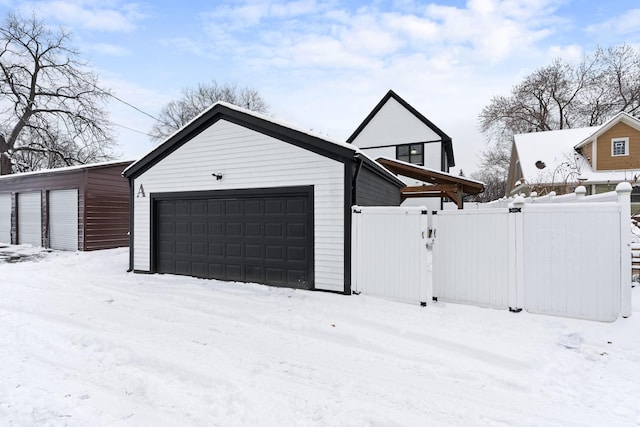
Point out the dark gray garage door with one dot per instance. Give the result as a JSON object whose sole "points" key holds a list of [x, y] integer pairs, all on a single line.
{"points": [[263, 239]]}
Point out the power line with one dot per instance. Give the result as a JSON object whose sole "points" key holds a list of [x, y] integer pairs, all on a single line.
{"points": [[131, 105], [132, 129]]}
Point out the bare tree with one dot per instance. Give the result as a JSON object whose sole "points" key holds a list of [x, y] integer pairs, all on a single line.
{"points": [[51, 110], [193, 101], [561, 96]]}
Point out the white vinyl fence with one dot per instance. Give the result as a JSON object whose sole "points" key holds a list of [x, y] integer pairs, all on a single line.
{"points": [[565, 259], [389, 253], [566, 256]]}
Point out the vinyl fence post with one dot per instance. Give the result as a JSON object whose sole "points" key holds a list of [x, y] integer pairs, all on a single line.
{"points": [[516, 258], [355, 256], [624, 199]]}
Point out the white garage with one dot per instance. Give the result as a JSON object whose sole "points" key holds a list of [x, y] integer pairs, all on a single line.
{"points": [[30, 218], [5, 218], [237, 196], [63, 219]]}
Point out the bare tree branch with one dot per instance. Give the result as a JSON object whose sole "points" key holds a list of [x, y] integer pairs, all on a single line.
{"points": [[193, 101], [560, 96], [50, 104]]}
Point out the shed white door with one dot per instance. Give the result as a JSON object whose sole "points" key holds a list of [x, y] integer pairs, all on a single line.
{"points": [[29, 219], [5, 218], [63, 219]]}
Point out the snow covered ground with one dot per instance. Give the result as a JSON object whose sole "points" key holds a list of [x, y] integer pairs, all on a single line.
{"points": [[83, 343]]}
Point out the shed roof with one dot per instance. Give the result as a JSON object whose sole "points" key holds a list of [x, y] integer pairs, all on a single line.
{"points": [[67, 169]]}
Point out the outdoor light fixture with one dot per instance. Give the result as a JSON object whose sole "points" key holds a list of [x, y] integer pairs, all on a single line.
{"points": [[540, 164], [217, 175]]}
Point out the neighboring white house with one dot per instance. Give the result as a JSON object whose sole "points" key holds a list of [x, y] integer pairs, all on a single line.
{"points": [[396, 130], [597, 157]]}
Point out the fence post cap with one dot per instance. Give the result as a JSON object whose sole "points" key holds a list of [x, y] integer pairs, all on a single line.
{"points": [[623, 187], [518, 202]]}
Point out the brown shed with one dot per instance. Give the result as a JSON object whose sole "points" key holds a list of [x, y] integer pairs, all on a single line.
{"points": [[83, 207]]}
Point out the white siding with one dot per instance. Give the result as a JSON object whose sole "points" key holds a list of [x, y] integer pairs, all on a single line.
{"points": [[63, 219], [5, 218], [29, 219], [394, 124], [433, 156], [248, 159]]}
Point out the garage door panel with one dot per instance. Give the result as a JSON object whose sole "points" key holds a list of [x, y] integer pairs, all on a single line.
{"points": [[199, 249], [30, 218], [234, 250], [253, 252], [296, 231], [234, 207], [255, 239], [295, 253], [254, 207], [198, 269], [216, 249], [296, 207], [274, 207], [215, 207], [253, 229], [234, 229], [234, 272], [274, 230], [5, 218], [274, 253]]}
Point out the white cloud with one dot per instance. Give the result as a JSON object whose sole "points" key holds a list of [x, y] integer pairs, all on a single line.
{"points": [[108, 49], [628, 22], [101, 16]]}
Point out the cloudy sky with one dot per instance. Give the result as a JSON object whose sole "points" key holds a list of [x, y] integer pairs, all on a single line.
{"points": [[323, 65]]}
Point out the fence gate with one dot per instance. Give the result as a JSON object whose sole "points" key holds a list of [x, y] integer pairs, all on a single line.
{"points": [[563, 259], [389, 253], [471, 257]]}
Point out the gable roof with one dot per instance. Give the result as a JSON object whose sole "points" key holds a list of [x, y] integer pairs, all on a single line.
{"points": [[249, 119], [559, 150], [446, 139], [552, 148], [623, 117], [261, 123]]}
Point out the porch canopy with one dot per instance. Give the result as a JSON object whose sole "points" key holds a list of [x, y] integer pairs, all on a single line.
{"points": [[437, 183]]}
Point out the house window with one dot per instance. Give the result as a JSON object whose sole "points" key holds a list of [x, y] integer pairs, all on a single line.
{"points": [[410, 153], [620, 147]]}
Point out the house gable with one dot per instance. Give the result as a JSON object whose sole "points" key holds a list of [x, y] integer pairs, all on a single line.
{"points": [[394, 122], [606, 160]]}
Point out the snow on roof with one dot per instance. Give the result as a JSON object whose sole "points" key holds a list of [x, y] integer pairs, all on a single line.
{"points": [[66, 168], [556, 150], [552, 149]]}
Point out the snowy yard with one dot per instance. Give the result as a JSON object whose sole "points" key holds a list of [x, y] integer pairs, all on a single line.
{"points": [[83, 343]]}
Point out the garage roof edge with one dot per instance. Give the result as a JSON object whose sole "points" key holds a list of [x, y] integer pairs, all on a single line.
{"points": [[337, 150]]}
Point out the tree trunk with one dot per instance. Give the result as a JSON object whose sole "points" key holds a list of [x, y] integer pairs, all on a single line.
{"points": [[6, 168]]}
